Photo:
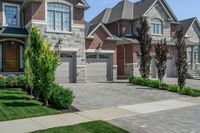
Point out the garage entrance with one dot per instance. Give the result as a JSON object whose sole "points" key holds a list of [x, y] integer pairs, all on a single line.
{"points": [[65, 73], [99, 67]]}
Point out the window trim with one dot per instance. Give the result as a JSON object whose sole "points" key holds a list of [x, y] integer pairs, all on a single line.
{"points": [[4, 15], [61, 2], [162, 30]]}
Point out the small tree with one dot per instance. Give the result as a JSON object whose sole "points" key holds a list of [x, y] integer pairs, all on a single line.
{"points": [[49, 61], [144, 40], [181, 60], [161, 58], [43, 63], [28, 72]]}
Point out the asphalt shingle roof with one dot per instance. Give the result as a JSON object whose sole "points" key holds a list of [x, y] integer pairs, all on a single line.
{"points": [[13, 31]]}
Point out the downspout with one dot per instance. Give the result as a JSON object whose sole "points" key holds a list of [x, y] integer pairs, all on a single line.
{"points": [[124, 58]]}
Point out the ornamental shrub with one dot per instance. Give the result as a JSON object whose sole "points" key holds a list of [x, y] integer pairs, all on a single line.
{"points": [[61, 98], [11, 81]]}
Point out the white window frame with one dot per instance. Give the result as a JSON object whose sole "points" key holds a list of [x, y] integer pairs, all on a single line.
{"points": [[4, 15], [62, 2], [162, 30]]}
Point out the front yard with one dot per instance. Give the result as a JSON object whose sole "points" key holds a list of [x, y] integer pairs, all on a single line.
{"points": [[16, 104], [90, 127]]}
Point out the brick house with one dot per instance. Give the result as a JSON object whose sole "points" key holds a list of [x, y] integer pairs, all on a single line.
{"points": [[114, 29], [61, 23]]}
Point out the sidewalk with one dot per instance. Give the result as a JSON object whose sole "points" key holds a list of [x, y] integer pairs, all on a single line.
{"points": [[45, 122]]}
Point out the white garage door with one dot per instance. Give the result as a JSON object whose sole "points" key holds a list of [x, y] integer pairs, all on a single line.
{"points": [[171, 68], [98, 68], [65, 73]]}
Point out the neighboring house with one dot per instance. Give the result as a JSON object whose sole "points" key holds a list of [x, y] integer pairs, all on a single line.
{"points": [[117, 26], [192, 32], [61, 23]]}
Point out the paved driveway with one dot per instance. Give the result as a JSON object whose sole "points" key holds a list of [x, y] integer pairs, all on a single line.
{"points": [[182, 120], [89, 96]]}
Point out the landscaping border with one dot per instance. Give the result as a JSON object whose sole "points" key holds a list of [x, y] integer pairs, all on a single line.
{"points": [[163, 86]]}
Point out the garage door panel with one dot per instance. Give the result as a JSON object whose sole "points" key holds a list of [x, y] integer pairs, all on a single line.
{"points": [[65, 72], [98, 68]]}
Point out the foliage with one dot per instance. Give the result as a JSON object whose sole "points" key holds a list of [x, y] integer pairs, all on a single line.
{"points": [[181, 60], [21, 79], [28, 72], [161, 58], [144, 40], [11, 81], [35, 52], [43, 63], [61, 98], [163, 86]]}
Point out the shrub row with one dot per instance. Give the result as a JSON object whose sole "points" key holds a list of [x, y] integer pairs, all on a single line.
{"points": [[163, 86], [12, 81], [60, 97]]}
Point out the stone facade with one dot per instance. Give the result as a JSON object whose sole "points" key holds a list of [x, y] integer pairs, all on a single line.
{"points": [[158, 12], [70, 41]]}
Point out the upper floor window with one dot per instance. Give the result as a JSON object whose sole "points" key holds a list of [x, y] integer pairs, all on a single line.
{"points": [[11, 14], [128, 30], [59, 17], [156, 27]]}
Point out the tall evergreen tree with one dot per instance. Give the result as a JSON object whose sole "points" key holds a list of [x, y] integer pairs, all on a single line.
{"points": [[181, 60], [144, 40], [161, 58]]}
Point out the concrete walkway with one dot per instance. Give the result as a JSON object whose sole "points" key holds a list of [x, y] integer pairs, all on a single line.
{"points": [[45, 122]]}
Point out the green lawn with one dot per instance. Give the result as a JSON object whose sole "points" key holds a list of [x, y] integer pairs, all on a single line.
{"points": [[90, 127], [16, 104]]}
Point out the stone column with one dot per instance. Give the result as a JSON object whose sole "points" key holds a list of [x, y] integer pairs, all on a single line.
{"points": [[192, 57]]}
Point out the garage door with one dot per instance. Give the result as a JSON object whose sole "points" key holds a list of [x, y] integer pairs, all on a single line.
{"points": [[99, 67], [65, 73]]}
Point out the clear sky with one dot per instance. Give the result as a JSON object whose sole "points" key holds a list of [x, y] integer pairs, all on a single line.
{"points": [[182, 8]]}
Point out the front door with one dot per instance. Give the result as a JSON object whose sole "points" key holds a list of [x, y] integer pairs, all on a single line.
{"points": [[11, 57]]}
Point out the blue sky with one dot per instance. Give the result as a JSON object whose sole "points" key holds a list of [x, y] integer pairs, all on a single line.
{"points": [[182, 8]]}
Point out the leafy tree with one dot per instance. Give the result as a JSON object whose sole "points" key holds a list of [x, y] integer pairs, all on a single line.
{"points": [[43, 63], [49, 61], [161, 58], [28, 72], [144, 40], [181, 60]]}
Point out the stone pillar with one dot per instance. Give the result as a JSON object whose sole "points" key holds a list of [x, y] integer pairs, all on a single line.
{"points": [[192, 57], [114, 72]]}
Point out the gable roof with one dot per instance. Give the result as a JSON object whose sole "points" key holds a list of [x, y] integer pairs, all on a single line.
{"points": [[187, 23], [90, 29], [130, 11]]}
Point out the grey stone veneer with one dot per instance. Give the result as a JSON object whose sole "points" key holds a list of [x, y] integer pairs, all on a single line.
{"points": [[74, 40]]}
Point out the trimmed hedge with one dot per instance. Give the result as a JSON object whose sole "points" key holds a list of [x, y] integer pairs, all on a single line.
{"points": [[61, 98], [12, 81], [163, 86]]}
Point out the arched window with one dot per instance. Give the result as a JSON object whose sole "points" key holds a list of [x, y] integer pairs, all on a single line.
{"points": [[59, 16], [156, 26]]}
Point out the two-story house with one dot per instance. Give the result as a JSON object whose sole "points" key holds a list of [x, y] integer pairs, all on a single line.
{"points": [[114, 29], [61, 23]]}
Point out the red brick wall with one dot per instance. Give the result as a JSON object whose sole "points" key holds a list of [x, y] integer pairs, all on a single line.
{"points": [[120, 25], [36, 10], [100, 37], [78, 16]]}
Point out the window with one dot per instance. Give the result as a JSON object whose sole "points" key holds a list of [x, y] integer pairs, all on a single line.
{"points": [[128, 31], [11, 14], [103, 57], [91, 56], [59, 17], [157, 27]]}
